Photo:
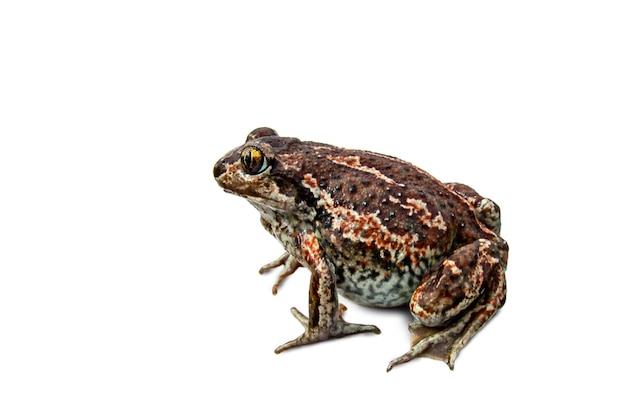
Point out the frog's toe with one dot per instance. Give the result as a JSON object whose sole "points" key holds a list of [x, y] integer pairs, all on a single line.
{"points": [[428, 342], [347, 329], [304, 320]]}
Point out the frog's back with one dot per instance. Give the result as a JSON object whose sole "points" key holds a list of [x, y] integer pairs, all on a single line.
{"points": [[403, 197]]}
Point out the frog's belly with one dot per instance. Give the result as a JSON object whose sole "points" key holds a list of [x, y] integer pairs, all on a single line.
{"points": [[377, 287]]}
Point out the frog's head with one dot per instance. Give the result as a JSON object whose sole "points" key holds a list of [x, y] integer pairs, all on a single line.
{"points": [[260, 171]]}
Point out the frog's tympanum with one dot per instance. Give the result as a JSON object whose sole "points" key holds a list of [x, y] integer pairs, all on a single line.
{"points": [[379, 231]]}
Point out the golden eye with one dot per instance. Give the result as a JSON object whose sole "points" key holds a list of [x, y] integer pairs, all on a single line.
{"points": [[254, 161]]}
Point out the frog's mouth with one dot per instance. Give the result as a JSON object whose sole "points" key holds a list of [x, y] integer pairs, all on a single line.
{"points": [[283, 205], [254, 194], [232, 192]]}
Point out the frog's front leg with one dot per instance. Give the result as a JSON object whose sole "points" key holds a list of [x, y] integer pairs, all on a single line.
{"points": [[289, 263], [455, 300], [325, 319]]}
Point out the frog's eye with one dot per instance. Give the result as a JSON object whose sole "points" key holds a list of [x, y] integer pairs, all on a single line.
{"points": [[254, 161]]}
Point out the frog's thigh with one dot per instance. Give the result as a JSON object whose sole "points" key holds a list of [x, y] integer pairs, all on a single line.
{"points": [[454, 285]]}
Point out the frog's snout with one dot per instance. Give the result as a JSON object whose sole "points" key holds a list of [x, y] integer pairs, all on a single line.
{"points": [[219, 168]]}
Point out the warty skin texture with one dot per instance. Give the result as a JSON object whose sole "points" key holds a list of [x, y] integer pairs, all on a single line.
{"points": [[380, 231]]}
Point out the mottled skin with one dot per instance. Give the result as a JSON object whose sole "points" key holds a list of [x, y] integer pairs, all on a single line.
{"points": [[381, 231]]}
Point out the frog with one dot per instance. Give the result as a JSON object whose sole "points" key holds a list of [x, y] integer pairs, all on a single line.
{"points": [[378, 231]]}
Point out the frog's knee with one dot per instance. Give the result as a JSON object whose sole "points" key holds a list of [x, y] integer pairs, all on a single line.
{"points": [[488, 213], [487, 210]]}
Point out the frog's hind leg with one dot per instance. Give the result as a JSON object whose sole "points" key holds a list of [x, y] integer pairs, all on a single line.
{"points": [[454, 302], [487, 210]]}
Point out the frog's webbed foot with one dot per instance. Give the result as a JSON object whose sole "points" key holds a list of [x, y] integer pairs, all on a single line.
{"points": [[319, 332], [446, 343], [289, 264], [475, 276]]}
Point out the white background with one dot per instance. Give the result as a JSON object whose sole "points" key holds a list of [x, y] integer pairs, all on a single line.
{"points": [[128, 279]]}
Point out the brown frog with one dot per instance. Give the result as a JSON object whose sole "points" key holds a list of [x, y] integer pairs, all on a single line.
{"points": [[380, 231]]}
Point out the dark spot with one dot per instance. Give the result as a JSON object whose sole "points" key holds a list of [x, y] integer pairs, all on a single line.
{"points": [[340, 276], [352, 188], [326, 220], [363, 276], [371, 290]]}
